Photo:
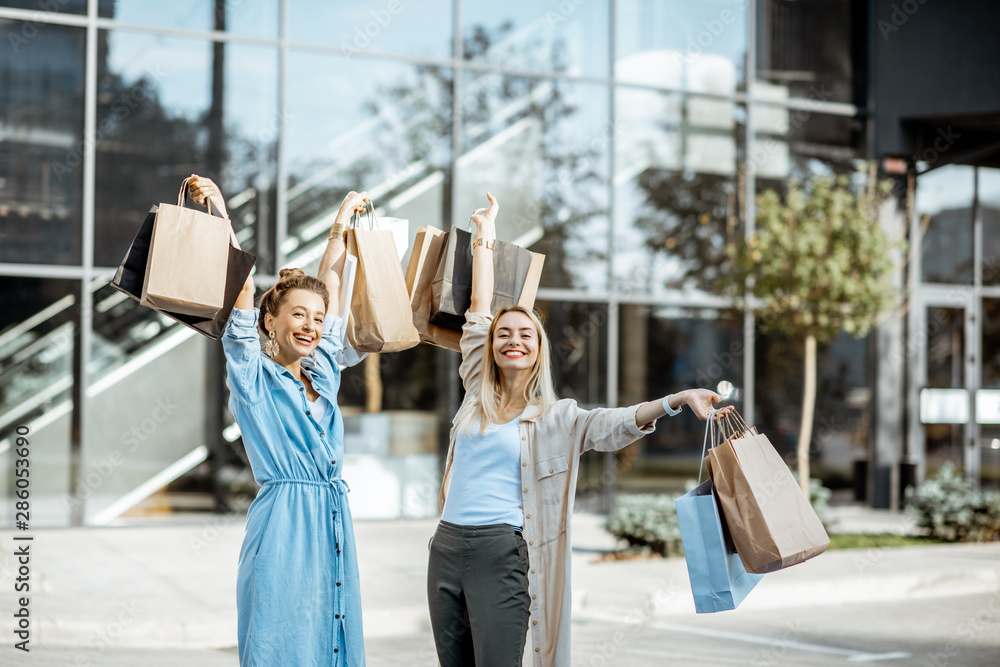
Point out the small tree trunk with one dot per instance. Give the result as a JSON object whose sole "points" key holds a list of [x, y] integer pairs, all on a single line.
{"points": [[808, 408]]}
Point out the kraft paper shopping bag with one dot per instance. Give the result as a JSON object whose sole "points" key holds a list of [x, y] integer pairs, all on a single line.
{"points": [[771, 521]]}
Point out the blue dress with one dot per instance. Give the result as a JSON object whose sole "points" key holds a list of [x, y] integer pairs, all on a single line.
{"points": [[298, 593]]}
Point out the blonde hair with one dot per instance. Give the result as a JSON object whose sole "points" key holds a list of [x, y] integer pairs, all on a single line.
{"points": [[289, 279], [483, 407]]}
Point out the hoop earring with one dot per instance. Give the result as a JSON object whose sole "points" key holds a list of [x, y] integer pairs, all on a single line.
{"points": [[271, 347]]}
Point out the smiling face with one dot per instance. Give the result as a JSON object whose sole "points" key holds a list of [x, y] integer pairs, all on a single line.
{"points": [[515, 342], [298, 324]]}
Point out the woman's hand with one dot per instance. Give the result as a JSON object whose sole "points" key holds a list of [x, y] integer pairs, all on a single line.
{"points": [[701, 402], [201, 188], [485, 219], [354, 203]]}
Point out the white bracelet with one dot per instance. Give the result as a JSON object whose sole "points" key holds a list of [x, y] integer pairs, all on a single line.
{"points": [[671, 411]]}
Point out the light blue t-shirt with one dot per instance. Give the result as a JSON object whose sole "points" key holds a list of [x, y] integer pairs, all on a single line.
{"points": [[485, 487]]}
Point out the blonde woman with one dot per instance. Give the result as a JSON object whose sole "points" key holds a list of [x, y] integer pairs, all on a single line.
{"points": [[298, 594], [501, 553]]}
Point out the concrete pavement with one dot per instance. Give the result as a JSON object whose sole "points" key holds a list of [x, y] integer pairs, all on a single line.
{"points": [[173, 584]]}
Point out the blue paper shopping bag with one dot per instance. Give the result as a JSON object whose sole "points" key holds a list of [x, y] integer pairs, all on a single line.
{"points": [[718, 579]]}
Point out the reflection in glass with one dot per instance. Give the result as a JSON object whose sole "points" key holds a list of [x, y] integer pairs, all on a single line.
{"points": [[41, 152], [162, 115], [541, 147], [37, 329], [945, 369], [989, 211], [989, 457], [390, 137], [545, 37], [411, 27], [843, 401], [698, 45], [990, 341], [944, 206], [812, 48], [677, 196], [63, 7], [801, 144], [663, 350], [252, 18]]}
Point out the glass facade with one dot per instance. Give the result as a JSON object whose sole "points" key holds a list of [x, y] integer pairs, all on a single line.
{"points": [[621, 138]]}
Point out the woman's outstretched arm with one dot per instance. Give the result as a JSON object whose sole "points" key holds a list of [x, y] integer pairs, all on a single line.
{"points": [[331, 266], [482, 256], [700, 400]]}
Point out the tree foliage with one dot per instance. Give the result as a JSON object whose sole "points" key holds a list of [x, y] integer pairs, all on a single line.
{"points": [[819, 262]]}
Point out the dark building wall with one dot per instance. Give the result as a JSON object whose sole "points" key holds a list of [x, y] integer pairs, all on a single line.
{"points": [[935, 63]]}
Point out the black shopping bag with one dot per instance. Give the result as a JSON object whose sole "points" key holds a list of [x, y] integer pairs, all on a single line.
{"points": [[132, 273], [516, 274]]}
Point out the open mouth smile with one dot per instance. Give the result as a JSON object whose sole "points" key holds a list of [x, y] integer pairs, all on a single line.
{"points": [[513, 354], [304, 339]]}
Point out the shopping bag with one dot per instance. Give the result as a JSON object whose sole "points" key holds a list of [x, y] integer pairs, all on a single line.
{"points": [[771, 521], [131, 274], [516, 274], [187, 262], [424, 256], [718, 579], [380, 316]]}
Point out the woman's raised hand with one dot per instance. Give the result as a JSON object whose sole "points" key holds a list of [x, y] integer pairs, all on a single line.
{"points": [[201, 188], [485, 218], [354, 203]]}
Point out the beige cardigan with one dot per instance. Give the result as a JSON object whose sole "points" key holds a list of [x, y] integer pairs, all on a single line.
{"points": [[551, 445]]}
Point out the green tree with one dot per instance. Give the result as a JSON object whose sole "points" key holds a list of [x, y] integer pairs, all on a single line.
{"points": [[818, 263]]}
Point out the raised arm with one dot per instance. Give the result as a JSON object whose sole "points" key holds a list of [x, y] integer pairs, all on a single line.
{"points": [[700, 400], [331, 266], [482, 257]]}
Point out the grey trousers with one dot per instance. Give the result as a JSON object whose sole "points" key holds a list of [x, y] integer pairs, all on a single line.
{"points": [[477, 588]]}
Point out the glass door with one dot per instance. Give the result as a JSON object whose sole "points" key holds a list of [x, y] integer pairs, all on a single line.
{"points": [[943, 381]]}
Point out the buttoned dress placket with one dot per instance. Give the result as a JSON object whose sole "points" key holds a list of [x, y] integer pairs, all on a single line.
{"points": [[337, 488], [530, 533]]}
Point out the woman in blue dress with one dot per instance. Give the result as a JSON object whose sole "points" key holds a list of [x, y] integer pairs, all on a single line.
{"points": [[298, 593]]}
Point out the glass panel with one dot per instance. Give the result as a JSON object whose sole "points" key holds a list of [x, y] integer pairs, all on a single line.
{"points": [[60, 6], [541, 147], [812, 49], [843, 402], [41, 145], [696, 45], [990, 341], [989, 462], [390, 137], [253, 18], [567, 37], [389, 26], [801, 144], [944, 207], [989, 210], [663, 350], [37, 331], [163, 116], [677, 200], [945, 369]]}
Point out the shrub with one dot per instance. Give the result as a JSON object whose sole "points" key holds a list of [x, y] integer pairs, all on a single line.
{"points": [[819, 498], [647, 520], [951, 508]]}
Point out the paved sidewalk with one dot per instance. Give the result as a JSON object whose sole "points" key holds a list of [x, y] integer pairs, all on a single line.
{"points": [[173, 584]]}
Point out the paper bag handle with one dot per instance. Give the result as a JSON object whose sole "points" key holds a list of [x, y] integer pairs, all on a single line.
{"points": [[220, 208], [710, 434]]}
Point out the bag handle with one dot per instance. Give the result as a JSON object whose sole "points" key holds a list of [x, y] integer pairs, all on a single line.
{"points": [[220, 208], [369, 213], [710, 433]]}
